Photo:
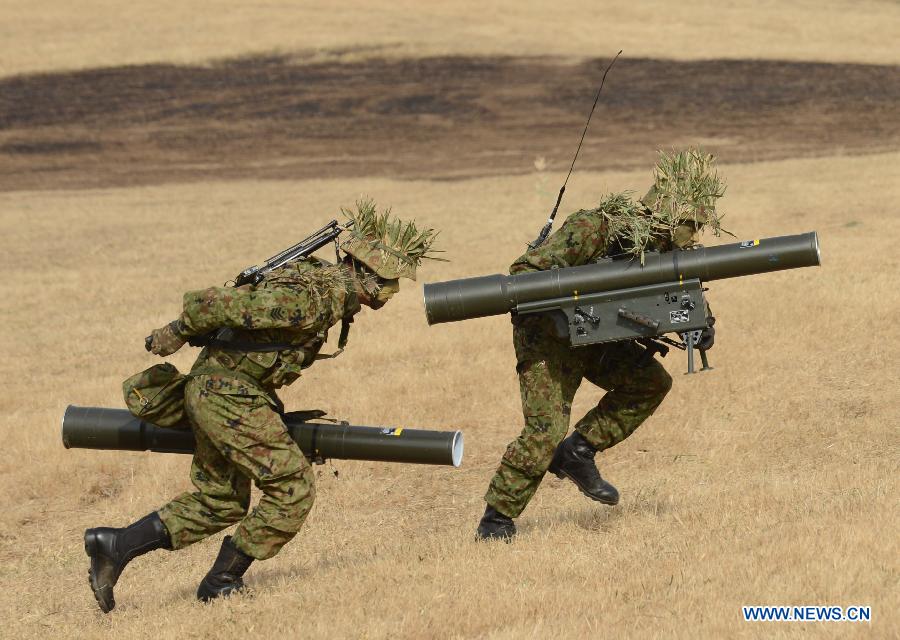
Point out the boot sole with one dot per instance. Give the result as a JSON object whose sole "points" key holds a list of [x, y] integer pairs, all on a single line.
{"points": [[208, 594], [507, 538], [562, 475], [91, 548]]}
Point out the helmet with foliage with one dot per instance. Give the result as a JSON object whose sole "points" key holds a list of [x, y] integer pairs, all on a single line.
{"points": [[685, 189], [679, 205], [389, 247]]}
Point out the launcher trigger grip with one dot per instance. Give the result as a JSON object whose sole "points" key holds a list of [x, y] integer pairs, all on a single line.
{"points": [[651, 348]]}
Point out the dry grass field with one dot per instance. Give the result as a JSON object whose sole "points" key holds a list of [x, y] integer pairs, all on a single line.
{"points": [[771, 480]]}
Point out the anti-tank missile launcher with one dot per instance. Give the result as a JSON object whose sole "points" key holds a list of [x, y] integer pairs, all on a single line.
{"points": [[117, 429], [614, 300]]}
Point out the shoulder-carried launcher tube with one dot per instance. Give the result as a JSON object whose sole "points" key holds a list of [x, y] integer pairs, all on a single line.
{"points": [[467, 298], [117, 429]]}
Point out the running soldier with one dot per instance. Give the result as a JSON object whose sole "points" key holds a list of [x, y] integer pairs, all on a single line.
{"points": [[679, 205], [278, 328]]}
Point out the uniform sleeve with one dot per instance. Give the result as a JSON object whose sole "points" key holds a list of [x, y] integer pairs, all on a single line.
{"points": [[581, 238], [247, 307]]}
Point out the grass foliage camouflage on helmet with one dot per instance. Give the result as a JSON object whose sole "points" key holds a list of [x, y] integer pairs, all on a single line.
{"points": [[628, 223], [320, 282], [391, 248], [685, 189]]}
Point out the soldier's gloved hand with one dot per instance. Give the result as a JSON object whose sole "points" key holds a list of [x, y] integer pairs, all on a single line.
{"points": [[708, 335], [164, 341]]}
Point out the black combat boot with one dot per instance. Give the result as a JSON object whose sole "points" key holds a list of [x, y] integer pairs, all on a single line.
{"points": [[111, 549], [495, 526], [574, 459], [226, 573]]}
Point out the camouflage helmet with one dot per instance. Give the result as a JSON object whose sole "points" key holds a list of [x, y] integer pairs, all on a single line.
{"points": [[685, 189], [390, 247]]}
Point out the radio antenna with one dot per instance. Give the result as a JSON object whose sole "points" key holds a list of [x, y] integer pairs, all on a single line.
{"points": [[542, 236]]}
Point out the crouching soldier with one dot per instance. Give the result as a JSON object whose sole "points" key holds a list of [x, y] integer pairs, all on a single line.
{"points": [[278, 327]]}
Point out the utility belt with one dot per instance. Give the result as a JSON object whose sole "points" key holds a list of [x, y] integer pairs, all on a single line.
{"points": [[270, 364], [226, 340]]}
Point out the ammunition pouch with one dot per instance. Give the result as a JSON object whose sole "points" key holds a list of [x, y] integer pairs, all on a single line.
{"points": [[157, 395]]}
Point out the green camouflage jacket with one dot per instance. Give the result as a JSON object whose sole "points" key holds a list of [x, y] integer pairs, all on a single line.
{"points": [[295, 305], [583, 238]]}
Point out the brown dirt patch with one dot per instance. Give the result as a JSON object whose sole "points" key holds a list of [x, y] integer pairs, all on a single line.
{"points": [[432, 118]]}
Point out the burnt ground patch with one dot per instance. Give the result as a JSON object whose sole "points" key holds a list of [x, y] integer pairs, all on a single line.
{"points": [[434, 118]]}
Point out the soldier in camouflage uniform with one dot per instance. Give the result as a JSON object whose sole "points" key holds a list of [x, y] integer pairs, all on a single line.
{"points": [[278, 326], [672, 214]]}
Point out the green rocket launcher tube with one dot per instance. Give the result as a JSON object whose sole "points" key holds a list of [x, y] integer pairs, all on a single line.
{"points": [[483, 296], [117, 429]]}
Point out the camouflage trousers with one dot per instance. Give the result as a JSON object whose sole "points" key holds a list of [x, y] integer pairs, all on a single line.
{"points": [[550, 372], [240, 438]]}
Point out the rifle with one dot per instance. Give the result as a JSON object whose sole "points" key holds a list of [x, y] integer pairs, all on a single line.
{"points": [[255, 274], [303, 249]]}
